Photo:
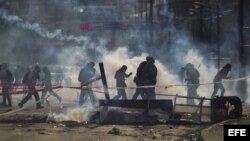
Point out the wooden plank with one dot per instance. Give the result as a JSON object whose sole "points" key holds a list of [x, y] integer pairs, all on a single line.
{"points": [[104, 81], [165, 105]]}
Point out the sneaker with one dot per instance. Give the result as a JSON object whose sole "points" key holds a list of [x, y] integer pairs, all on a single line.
{"points": [[20, 105], [39, 107]]}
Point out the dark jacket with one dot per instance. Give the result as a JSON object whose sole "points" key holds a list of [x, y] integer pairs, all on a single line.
{"points": [[6, 76], [146, 73], [192, 76], [31, 77]]}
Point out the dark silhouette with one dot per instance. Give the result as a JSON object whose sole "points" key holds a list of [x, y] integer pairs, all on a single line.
{"points": [[146, 76], [192, 78], [25, 88], [222, 74], [120, 76], [46, 81], [85, 75], [30, 79], [138, 79], [6, 77], [138, 91]]}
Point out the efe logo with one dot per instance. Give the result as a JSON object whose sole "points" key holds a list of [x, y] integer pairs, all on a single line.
{"points": [[236, 132]]}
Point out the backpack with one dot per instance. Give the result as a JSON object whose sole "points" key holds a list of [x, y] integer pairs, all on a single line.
{"points": [[81, 76], [85, 74]]}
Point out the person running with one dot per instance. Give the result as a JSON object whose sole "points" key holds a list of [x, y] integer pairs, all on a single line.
{"points": [[222, 74], [30, 79], [48, 86], [120, 76], [85, 75]]}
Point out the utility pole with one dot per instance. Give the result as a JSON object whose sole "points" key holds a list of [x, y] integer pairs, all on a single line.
{"points": [[150, 21], [201, 22], [218, 33], [242, 85]]}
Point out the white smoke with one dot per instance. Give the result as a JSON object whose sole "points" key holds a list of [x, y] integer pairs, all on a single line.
{"points": [[204, 69], [113, 61], [57, 34], [183, 52], [82, 114]]}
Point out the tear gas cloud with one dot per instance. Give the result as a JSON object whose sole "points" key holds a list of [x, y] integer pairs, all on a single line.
{"points": [[182, 51], [57, 34], [74, 114], [178, 50]]}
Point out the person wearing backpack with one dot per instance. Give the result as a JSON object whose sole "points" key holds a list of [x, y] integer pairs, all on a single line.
{"points": [[85, 75]]}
